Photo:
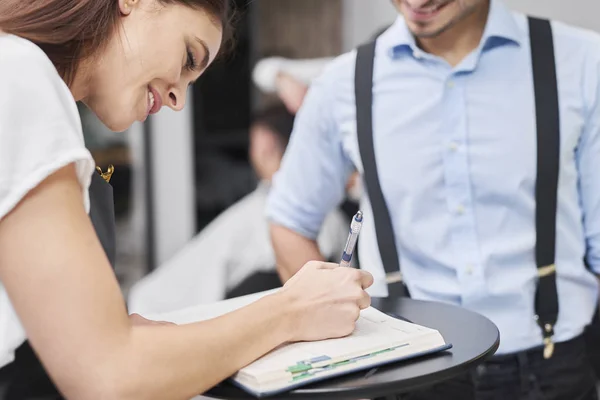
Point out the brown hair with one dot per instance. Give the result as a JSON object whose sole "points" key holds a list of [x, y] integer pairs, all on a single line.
{"points": [[69, 31]]}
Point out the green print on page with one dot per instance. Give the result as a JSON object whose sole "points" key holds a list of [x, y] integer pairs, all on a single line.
{"points": [[304, 369]]}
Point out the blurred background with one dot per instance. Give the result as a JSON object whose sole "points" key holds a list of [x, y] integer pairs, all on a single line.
{"points": [[177, 172]]}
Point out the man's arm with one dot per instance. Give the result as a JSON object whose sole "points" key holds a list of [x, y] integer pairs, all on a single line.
{"points": [[292, 251], [588, 156], [328, 247], [69, 302], [311, 180]]}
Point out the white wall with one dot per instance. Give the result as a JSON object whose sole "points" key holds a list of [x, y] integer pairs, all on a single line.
{"points": [[584, 13], [362, 18], [173, 195], [173, 181], [137, 217]]}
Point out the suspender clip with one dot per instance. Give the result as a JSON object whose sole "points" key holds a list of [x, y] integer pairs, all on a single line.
{"points": [[548, 343], [393, 277], [108, 174], [547, 270]]}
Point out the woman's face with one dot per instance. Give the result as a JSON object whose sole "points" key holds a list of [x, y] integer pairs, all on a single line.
{"points": [[156, 52]]}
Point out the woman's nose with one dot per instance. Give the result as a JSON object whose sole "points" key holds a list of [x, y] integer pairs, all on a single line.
{"points": [[176, 99]]}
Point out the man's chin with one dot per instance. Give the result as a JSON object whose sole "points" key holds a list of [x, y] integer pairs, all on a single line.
{"points": [[425, 34], [429, 31]]}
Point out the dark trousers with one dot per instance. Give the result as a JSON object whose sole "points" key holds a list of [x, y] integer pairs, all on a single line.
{"points": [[26, 379], [567, 375]]}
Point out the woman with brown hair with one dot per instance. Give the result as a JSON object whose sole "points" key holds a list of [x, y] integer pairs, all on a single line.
{"points": [[124, 59]]}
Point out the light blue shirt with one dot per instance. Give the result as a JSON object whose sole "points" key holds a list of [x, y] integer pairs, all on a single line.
{"points": [[456, 153]]}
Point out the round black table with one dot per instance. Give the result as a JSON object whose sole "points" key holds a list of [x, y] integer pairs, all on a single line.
{"points": [[473, 338]]}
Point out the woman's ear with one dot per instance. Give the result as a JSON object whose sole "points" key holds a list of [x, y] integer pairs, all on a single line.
{"points": [[125, 6]]}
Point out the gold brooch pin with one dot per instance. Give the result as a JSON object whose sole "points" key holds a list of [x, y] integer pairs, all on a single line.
{"points": [[108, 174]]}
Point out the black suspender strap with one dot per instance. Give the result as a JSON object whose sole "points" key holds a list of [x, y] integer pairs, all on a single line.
{"points": [[102, 214], [386, 239], [548, 151], [548, 157]]}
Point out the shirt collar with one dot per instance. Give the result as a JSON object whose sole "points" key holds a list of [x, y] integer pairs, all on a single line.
{"points": [[397, 38], [500, 28], [501, 24]]}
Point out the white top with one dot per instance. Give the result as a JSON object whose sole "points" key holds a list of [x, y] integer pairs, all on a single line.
{"points": [[232, 247], [40, 132]]}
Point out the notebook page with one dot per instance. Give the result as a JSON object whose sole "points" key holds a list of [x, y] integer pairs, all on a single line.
{"points": [[374, 331]]}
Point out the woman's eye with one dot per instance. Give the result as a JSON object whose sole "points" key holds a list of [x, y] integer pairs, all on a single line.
{"points": [[191, 61]]}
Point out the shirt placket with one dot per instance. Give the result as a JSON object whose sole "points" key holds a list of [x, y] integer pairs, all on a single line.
{"points": [[458, 186]]}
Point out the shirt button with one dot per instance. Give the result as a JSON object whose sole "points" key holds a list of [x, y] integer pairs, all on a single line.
{"points": [[417, 54], [450, 84], [469, 269], [453, 146], [460, 209]]}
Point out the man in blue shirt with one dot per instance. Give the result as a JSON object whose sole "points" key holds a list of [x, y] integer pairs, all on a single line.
{"points": [[454, 131]]}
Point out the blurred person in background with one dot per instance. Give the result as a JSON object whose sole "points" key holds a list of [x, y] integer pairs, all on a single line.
{"points": [[64, 327], [454, 137], [290, 80], [233, 255]]}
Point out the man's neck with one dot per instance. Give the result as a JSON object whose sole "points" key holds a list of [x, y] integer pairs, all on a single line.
{"points": [[454, 44]]}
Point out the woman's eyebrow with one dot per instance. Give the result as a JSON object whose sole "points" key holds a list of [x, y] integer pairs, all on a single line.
{"points": [[204, 62]]}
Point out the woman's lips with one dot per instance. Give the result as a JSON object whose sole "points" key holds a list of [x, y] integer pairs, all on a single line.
{"points": [[154, 101]]}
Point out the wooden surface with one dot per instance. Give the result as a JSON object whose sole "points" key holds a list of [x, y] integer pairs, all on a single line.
{"points": [[299, 28]]}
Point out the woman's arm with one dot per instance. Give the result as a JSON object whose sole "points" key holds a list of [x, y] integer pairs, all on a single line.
{"points": [[67, 297]]}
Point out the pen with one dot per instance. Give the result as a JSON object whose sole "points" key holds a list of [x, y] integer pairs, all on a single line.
{"points": [[355, 226]]}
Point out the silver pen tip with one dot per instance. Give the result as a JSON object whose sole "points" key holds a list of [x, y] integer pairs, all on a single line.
{"points": [[359, 216]]}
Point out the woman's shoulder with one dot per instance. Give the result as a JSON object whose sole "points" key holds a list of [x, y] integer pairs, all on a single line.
{"points": [[17, 50], [40, 129], [37, 105], [23, 62], [31, 84]]}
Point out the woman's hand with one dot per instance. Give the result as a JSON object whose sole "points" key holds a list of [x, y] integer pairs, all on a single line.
{"points": [[325, 300]]}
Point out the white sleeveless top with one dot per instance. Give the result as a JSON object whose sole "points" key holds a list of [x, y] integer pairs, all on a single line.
{"points": [[40, 132]]}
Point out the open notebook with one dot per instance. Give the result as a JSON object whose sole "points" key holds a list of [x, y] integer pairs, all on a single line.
{"points": [[378, 339]]}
